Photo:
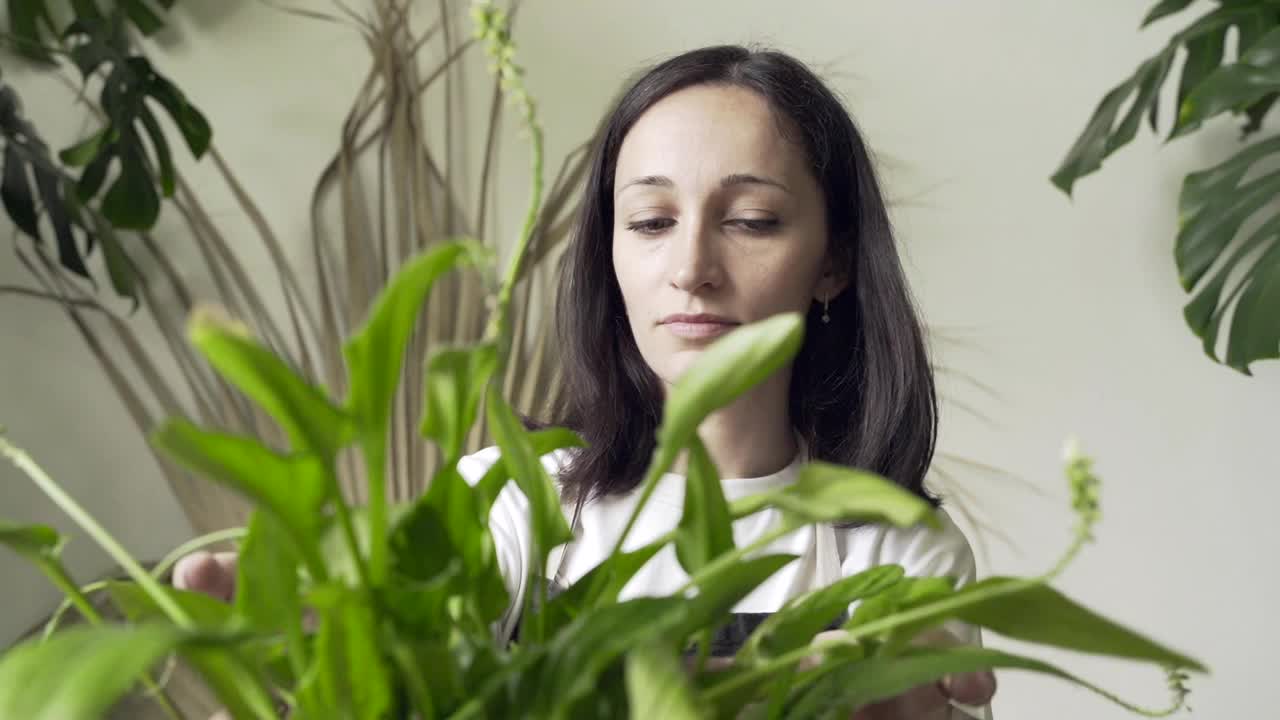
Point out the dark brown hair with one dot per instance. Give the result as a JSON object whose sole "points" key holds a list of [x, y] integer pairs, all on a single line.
{"points": [[862, 393]]}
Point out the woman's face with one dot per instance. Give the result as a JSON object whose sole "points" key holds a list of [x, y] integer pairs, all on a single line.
{"points": [[718, 222]]}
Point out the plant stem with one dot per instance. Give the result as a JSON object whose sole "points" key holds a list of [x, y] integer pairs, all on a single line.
{"points": [[58, 576], [413, 680], [377, 524], [662, 460], [99, 534], [375, 468], [199, 543]]}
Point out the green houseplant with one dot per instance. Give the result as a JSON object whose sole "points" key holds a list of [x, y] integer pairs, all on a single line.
{"points": [[402, 596], [388, 191], [1227, 249]]}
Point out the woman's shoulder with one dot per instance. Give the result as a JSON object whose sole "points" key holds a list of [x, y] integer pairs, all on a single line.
{"points": [[474, 466], [921, 550]]}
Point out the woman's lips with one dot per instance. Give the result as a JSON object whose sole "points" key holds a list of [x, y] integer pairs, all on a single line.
{"points": [[698, 327]]}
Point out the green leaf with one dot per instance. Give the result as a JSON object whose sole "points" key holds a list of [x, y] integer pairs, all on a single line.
{"points": [[95, 174], [422, 528], [19, 201], [339, 561], [721, 588], [1204, 56], [1255, 113], [25, 17], [313, 424], [1031, 611], [1248, 34], [1234, 86], [120, 269], [55, 207], [37, 543], [375, 354], [78, 673], [81, 153], [575, 658], [705, 531], [600, 586], [548, 526], [239, 689], [91, 47], [86, 9], [833, 493], [544, 442], [1163, 9], [859, 684], [1213, 206], [1255, 333], [1150, 77], [725, 370], [267, 577], [455, 378], [435, 694], [421, 608], [292, 488], [1103, 135], [907, 593], [447, 520], [190, 121], [1037, 613], [795, 624], [139, 607], [131, 203], [1092, 147], [351, 679], [146, 19], [161, 147], [657, 686]]}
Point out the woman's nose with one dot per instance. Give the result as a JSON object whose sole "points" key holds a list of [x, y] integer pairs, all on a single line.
{"points": [[695, 259]]}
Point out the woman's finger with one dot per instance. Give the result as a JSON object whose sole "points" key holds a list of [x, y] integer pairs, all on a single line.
{"points": [[208, 573], [975, 688]]}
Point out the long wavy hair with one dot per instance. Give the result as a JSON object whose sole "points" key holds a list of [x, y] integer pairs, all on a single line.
{"points": [[862, 392]]}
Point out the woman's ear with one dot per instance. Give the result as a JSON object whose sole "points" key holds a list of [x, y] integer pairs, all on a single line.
{"points": [[830, 284]]}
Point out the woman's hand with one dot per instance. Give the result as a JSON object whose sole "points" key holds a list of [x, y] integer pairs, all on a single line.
{"points": [[213, 574], [930, 702]]}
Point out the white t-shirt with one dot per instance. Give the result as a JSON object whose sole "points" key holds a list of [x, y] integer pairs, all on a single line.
{"points": [[824, 553]]}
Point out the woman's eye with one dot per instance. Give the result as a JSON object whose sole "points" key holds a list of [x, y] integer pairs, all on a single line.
{"points": [[652, 226], [756, 225]]}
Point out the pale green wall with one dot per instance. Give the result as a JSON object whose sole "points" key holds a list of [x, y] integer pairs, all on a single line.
{"points": [[1070, 311]]}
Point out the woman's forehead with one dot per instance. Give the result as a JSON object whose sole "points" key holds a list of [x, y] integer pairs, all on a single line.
{"points": [[702, 134]]}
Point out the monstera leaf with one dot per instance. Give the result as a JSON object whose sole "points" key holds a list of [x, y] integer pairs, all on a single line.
{"points": [[34, 185], [132, 200], [36, 25], [130, 139], [1228, 276], [1242, 276]]}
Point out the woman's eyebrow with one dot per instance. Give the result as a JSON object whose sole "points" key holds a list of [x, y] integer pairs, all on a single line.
{"points": [[726, 182], [749, 179], [649, 181]]}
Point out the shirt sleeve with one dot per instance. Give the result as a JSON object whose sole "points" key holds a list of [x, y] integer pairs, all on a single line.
{"points": [[509, 526]]}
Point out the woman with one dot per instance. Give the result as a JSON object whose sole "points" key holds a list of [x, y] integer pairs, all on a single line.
{"points": [[730, 185]]}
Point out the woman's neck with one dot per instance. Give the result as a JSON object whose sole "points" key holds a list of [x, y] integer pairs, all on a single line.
{"points": [[752, 437]]}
